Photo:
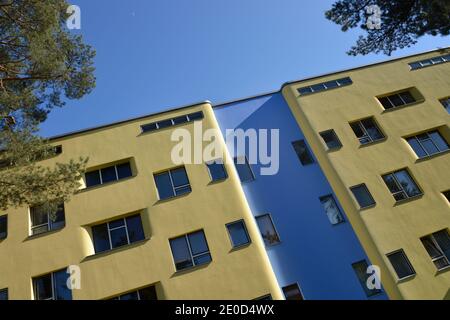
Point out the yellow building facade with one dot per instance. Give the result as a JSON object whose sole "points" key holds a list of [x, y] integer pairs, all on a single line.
{"points": [[242, 273], [389, 228]]}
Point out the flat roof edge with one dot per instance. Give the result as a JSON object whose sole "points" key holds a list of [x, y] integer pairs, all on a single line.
{"points": [[72, 133]]}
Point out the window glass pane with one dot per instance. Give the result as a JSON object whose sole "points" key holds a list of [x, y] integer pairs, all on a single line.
{"points": [[446, 104], [92, 178], [391, 183], [356, 127], [318, 87], [43, 287], [332, 210], [238, 234], [439, 140], [182, 190], [407, 183], [243, 168], [431, 248], [196, 116], [179, 177], [130, 296], [415, 65], [101, 238], [179, 120], [443, 239], [3, 226], [372, 129], [124, 170], [360, 269], [3, 294], [217, 171], [331, 139], [305, 90], [116, 223], [401, 264], [331, 84], [164, 185], [427, 144], [135, 230], [407, 97], [292, 292], [62, 292], [267, 230], [165, 123], [108, 174], [118, 237], [303, 152], [38, 216], [414, 143], [180, 252], [363, 196], [202, 259], [396, 100], [345, 81], [58, 220], [198, 243], [149, 127], [148, 293], [386, 103]]}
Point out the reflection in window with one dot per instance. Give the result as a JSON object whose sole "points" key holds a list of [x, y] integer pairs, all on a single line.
{"points": [[267, 229], [172, 183], [332, 210], [43, 220], [52, 286], [401, 185], [190, 250], [428, 143]]}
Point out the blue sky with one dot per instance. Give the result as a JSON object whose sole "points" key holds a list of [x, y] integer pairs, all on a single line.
{"points": [[154, 55]]}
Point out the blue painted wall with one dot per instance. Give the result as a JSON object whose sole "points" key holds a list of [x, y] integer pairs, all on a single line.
{"points": [[313, 252]]}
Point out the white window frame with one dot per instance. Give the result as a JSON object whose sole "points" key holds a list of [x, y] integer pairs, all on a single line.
{"points": [[192, 256], [52, 280], [438, 247], [399, 185], [49, 223], [428, 139]]}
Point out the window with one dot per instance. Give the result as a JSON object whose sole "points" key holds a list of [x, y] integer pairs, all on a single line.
{"points": [[238, 233], [292, 292], [429, 62], [401, 264], [332, 209], [172, 183], [3, 227], [360, 269], [401, 185], [267, 229], [108, 174], [190, 250], [148, 293], [438, 247], [303, 153], [217, 170], [172, 122], [325, 86], [446, 103], [428, 143], [117, 233], [367, 131], [397, 100], [52, 286], [331, 139], [447, 195], [243, 168], [363, 196], [43, 220], [3, 294]]}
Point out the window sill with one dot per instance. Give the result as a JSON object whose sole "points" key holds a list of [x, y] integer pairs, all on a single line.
{"points": [[86, 189], [242, 246], [400, 202], [368, 207], [373, 143], [212, 182], [407, 278], [43, 234], [118, 249], [334, 149], [443, 270], [432, 156], [403, 106], [191, 269], [173, 197]]}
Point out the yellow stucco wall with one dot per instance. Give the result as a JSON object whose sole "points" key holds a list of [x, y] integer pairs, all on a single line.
{"points": [[387, 226], [240, 274]]}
